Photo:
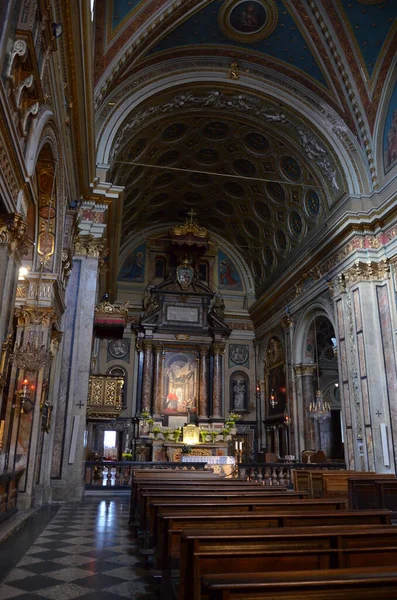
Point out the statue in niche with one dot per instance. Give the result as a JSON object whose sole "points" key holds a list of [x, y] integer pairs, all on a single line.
{"points": [[239, 387]]}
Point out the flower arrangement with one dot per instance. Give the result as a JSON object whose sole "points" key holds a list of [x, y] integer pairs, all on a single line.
{"points": [[203, 435], [225, 432], [145, 415], [177, 434], [186, 449], [127, 455], [234, 417], [213, 433], [156, 431]]}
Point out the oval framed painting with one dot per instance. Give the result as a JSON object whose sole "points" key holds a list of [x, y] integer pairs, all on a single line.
{"points": [[248, 21]]}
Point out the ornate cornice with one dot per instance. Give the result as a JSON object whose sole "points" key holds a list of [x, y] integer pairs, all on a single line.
{"points": [[112, 309]]}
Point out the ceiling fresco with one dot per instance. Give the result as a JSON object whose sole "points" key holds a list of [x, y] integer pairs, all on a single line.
{"points": [[370, 24], [285, 42], [262, 198]]}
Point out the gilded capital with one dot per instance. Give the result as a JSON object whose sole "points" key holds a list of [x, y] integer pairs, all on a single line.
{"points": [[31, 315], [89, 246], [13, 233], [147, 345], [218, 348], [302, 370], [204, 350]]}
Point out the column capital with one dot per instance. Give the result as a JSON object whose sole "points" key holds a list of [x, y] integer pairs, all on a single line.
{"points": [[204, 350], [89, 246], [303, 369], [147, 344], [158, 347], [218, 348], [13, 233], [30, 315]]}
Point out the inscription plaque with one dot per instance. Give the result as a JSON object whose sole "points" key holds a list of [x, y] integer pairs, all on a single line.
{"points": [[182, 313]]}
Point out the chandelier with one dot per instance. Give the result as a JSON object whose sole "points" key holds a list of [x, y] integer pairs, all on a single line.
{"points": [[320, 410], [273, 400], [34, 355]]}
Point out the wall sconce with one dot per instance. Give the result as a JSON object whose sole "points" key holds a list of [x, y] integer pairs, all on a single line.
{"points": [[287, 418], [273, 400], [258, 388], [24, 394]]}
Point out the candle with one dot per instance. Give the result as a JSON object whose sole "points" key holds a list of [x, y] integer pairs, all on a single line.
{"points": [[236, 445], [240, 444]]}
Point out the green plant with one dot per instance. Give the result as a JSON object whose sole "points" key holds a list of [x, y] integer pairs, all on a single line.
{"points": [[203, 435], [150, 421], [234, 417], [213, 433], [145, 415], [126, 456], [186, 449], [225, 432], [177, 434]]}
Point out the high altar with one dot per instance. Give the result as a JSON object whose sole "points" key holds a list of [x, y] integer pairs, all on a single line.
{"points": [[180, 340]]}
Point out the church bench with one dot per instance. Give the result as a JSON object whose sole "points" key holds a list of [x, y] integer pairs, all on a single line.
{"points": [[343, 584], [373, 493], [171, 526], [206, 552], [192, 506], [327, 484], [215, 495]]}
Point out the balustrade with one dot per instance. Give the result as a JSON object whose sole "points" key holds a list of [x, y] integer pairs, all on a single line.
{"points": [[273, 474], [113, 475]]}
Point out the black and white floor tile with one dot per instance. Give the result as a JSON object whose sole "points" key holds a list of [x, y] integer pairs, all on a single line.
{"points": [[85, 551]]}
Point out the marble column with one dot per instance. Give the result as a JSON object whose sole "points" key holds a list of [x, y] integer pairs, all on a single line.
{"points": [[218, 350], [147, 376], [158, 379], [309, 431], [269, 439], [203, 400], [67, 469]]}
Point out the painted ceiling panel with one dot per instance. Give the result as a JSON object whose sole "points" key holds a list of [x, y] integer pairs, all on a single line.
{"points": [[285, 43], [371, 24], [120, 9]]}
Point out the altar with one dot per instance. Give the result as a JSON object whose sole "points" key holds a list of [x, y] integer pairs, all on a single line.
{"points": [[221, 465]]}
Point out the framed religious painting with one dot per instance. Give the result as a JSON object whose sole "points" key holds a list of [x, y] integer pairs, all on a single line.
{"points": [[248, 21], [180, 382]]}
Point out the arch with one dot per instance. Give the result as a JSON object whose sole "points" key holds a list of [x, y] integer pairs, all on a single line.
{"points": [[383, 115], [355, 169], [319, 308], [244, 270]]}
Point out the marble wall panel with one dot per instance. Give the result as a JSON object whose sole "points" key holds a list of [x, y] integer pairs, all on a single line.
{"points": [[350, 449], [364, 395], [341, 325], [343, 360], [346, 401], [357, 310], [388, 355], [361, 355], [370, 449]]}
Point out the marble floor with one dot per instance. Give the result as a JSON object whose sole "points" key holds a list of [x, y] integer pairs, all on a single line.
{"points": [[76, 551]]}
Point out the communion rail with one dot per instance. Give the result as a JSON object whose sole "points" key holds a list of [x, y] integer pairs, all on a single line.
{"points": [[279, 473], [116, 475]]}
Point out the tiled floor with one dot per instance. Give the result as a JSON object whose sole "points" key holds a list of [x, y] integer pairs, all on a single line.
{"points": [[84, 551]]}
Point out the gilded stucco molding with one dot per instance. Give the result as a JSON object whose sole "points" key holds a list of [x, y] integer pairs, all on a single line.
{"points": [[33, 315], [89, 246], [13, 233]]}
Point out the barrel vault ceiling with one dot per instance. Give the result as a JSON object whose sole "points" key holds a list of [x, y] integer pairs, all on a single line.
{"points": [[256, 171]]}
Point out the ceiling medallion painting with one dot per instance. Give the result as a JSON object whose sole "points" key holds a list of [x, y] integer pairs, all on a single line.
{"points": [[248, 21]]}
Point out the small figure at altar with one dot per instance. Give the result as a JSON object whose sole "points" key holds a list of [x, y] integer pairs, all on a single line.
{"points": [[172, 400]]}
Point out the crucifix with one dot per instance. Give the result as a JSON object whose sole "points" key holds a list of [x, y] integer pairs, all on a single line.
{"points": [[191, 214], [80, 404], [378, 413]]}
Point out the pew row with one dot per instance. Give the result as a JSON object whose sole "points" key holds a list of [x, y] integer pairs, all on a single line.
{"points": [[170, 526], [252, 550], [328, 484], [343, 584]]}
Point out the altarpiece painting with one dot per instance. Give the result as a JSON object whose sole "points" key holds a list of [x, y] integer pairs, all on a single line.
{"points": [[180, 382]]}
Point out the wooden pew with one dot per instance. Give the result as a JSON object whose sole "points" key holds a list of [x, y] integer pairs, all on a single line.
{"points": [[373, 493], [192, 506], [214, 495], [207, 552], [170, 526], [330, 484], [341, 584]]}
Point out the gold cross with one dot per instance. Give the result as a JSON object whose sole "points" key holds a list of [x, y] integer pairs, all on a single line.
{"points": [[191, 214]]}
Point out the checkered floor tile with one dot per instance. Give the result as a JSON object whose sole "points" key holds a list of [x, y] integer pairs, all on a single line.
{"points": [[86, 551]]}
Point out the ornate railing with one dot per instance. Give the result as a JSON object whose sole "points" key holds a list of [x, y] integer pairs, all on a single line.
{"points": [[113, 475], [9, 493], [279, 473]]}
